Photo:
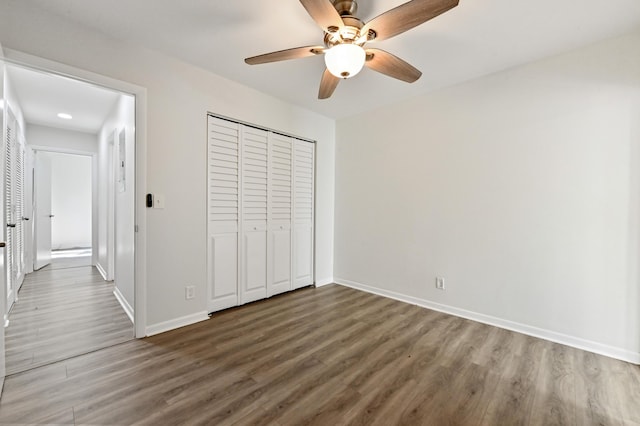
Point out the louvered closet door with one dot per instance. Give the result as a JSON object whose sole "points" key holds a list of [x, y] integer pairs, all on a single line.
{"points": [[19, 199], [10, 210], [280, 213], [303, 233], [224, 203], [254, 193]]}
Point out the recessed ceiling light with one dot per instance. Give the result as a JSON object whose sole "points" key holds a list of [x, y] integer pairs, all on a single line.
{"points": [[65, 116]]}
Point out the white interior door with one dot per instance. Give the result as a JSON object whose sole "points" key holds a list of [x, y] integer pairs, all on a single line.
{"points": [[9, 210], [280, 213], [3, 223], [303, 214], [18, 187], [260, 214], [223, 214], [254, 215], [42, 210]]}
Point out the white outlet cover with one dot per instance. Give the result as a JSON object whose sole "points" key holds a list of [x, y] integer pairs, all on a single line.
{"points": [[189, 292]]}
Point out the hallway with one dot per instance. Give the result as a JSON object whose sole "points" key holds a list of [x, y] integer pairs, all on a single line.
{"points": [[63, 312]]}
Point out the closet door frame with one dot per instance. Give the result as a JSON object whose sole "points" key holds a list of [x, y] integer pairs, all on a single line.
{"points": [[270, 223]]}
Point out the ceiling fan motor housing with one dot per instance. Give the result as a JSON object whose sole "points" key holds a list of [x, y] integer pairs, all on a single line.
{"points": [[349, 33], [346, 7]]}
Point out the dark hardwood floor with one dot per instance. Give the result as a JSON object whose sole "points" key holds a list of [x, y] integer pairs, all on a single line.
{"points": [[329, 356], [62, 311]]}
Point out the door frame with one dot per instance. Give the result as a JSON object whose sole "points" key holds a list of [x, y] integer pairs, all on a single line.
{"points": [[22, 59]]}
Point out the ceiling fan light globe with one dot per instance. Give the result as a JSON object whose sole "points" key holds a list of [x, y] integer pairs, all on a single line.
{"points": [[345, 60]]}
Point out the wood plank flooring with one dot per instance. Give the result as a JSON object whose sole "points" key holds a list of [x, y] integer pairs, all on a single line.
{"points": [[60, 313], [329, 356], [63, 259]]}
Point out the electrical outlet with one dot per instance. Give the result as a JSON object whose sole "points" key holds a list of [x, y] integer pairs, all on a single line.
{"points": [[189, 292], [440, 283]]}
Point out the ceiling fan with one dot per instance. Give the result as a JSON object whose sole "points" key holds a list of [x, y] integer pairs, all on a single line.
{"points": [[345, 37]]}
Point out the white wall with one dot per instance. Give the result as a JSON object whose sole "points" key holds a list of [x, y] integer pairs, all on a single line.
{"points": [[70, 201], [61, 140], [179, 96], [121, 118], [521, 189]]}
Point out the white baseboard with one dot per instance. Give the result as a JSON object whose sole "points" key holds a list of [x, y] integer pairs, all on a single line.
{"points": [[102, 271], [123, 302], [576, 342], [324, 281], [176, 323]]}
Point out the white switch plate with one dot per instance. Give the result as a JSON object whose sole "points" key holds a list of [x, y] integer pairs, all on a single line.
{"points": [[158, 201], [440, 283]]}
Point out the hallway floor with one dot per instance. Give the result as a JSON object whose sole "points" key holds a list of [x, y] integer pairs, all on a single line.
{"points": [[62, 259], [63, 311]]}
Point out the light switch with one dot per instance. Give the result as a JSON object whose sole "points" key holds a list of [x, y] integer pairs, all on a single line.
{"points": [[158, 201]]}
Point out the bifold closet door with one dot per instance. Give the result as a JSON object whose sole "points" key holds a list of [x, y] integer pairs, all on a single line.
{"points": [[260, 209], [224, 203], [280, 214], [254, 193], [303, 232]]}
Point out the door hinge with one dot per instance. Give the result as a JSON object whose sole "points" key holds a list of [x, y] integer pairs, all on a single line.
{"points": [[136, 228]]}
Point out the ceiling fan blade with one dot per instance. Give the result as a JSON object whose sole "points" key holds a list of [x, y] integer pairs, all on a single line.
{"points": [[406, 16], [283, 55], [391, 65], [328, 84], [324, 13]]}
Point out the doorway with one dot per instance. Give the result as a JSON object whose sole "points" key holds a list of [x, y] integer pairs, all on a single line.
{"points": [[78, 292], [63, 201]]}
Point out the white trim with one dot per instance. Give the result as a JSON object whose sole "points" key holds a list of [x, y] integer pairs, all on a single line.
{"points": [[177, 323], [123, 302], [324, 281], [140, 93], [63, 150], [102, 271], [564, 339]]}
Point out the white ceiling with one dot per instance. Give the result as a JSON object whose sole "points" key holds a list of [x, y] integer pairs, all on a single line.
{"points": [[42, 96], [476, 38]]}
